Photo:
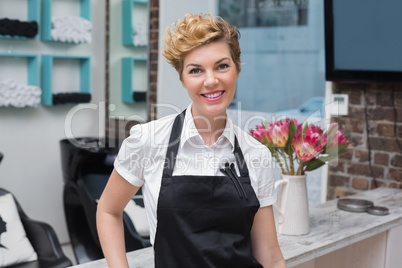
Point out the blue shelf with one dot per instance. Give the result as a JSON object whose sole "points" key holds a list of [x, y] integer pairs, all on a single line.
{"points": [[127, 68], [127, 19], [47, 74], [85, 12], [33, 15], [33, 66]]}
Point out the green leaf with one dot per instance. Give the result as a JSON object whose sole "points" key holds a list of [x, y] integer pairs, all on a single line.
{"points": [[337, 149], [292, 132], [266, 143], [305, 128], [314, 164], [343, 146]]}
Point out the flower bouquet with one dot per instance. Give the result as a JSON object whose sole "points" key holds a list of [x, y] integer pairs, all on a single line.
{"points": [[305, 144]]}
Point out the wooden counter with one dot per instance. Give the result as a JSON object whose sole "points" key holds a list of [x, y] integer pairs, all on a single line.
{"points": [[358, 238]]}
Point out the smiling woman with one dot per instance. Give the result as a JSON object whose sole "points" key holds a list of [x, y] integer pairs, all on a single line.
{"points": [[201, 213]]}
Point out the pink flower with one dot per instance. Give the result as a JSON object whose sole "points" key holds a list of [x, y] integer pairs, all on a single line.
{"points": [[336, 137], [308, 142], [259, 133], [312, 146], [279, 132]]}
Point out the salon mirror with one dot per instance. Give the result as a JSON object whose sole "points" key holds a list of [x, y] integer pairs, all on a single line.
{"points": [[136, 82], [127, 55]]}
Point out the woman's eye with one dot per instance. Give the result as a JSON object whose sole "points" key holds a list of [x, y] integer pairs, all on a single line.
{"points": [[195, 71], [223, 66]]}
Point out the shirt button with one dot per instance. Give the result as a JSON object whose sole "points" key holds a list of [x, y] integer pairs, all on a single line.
{"points": [[208, 155]]}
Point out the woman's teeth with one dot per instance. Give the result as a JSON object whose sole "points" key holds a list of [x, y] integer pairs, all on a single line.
{"points": [[214, 95]]}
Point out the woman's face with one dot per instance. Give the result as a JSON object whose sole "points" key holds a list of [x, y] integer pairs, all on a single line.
{"points": [[210, 75]]}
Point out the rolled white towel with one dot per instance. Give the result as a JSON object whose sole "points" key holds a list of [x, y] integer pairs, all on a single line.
{"points": [[5, 93], [80, 23], [18, 95], [140, 34], [13, 94], [7, 102], [23, 90], [10, 83], [73, 29], [3, 89], [86, 38], [36, 91], [30, 101], [55, 34], [76, 39], [14, 102], [71, 22], [58, 22], [62, 37]]}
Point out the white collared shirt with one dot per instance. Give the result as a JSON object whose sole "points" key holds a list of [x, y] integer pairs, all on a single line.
{"points": [[142, 155]]}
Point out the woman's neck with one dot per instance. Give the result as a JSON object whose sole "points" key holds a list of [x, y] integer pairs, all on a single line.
{"points": [[210, 127]]}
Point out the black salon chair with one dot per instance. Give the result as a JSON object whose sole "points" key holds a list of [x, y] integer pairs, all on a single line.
{"points": [[86, 166], [44, 241]]}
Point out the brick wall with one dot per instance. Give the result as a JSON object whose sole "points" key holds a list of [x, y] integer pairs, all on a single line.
{"points": [[153, 57], [374, 125]]}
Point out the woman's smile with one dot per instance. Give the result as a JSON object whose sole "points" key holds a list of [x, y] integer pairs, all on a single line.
{"points": [[213, 96]]}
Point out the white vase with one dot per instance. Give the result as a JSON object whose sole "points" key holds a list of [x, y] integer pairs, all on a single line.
{"points": [[291, 209]]}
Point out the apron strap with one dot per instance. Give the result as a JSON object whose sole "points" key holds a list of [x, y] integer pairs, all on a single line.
{"points": [[241, 163], [173, 147], [174, 142]]}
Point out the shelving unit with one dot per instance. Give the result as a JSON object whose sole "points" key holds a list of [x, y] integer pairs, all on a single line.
{"points": [[33, 66], [127, 68], [85, 12], [47, 70], [128, 18], [33, 15]]}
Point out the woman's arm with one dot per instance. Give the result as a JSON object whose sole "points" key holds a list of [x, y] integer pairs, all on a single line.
{"points": [[109, 219], [264, 240]]}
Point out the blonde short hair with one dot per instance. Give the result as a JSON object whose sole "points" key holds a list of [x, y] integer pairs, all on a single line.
{"points": [[194, 31]]}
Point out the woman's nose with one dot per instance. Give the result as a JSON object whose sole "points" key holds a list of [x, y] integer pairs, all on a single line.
{"points": [[210, 80]]}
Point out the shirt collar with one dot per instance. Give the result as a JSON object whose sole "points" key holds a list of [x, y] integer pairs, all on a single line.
{"points": [[189, 130]]}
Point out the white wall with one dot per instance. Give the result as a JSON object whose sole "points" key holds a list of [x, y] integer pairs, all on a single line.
{"points": [[29, 137], [172, 97]]}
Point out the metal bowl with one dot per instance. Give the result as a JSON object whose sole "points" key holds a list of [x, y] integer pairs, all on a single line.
{"points": [[379, 211], [354, 205]]}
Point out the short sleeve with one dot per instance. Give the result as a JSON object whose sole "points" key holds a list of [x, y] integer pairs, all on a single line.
{"points": [[266, 193], [132, 150]]}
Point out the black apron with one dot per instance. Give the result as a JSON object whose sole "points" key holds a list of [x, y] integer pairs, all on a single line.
{"points": [[203, 221]]}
